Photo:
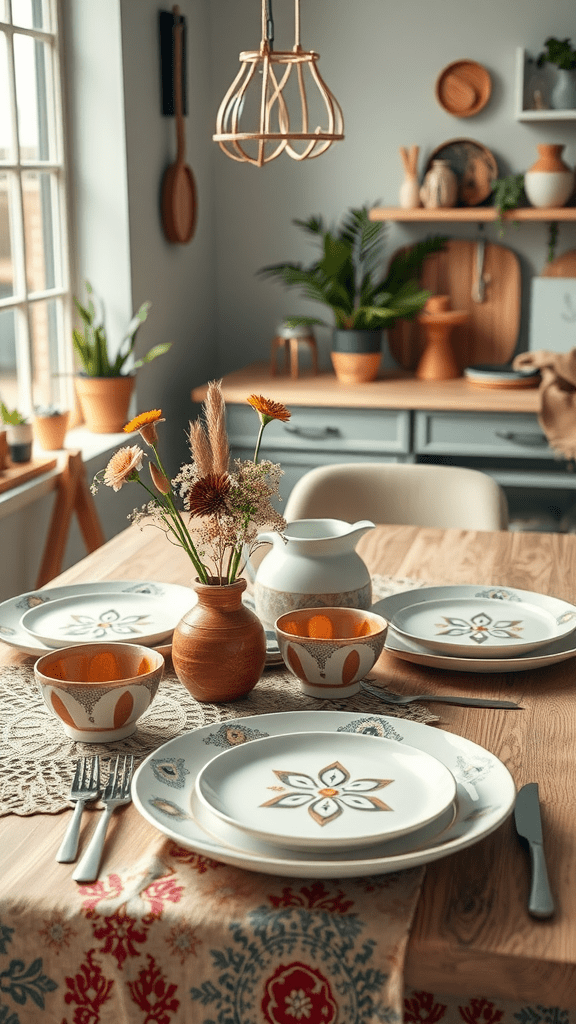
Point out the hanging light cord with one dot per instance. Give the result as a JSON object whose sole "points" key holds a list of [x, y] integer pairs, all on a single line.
{"points": [[268, 23]]}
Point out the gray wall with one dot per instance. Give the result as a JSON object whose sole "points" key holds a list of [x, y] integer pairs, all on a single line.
{"points": [[381, 59]]}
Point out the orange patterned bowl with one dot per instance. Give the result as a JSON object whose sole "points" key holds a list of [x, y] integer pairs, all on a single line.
{"points": [[330, 649], [99, 691]]}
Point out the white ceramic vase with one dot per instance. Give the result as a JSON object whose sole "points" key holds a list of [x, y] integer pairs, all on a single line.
{"points": [[563, 94], [409, 194], [549, 182], [440, 188]]}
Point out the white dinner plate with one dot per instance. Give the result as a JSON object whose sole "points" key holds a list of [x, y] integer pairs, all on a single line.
{"points": [[467, 626], [95, 617], [163, 788], [178, 598], [410, 650], [325, 790]]}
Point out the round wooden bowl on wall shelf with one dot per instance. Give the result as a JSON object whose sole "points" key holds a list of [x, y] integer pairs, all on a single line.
{"points": [[463, 88], [438, 361], [474, 166]]}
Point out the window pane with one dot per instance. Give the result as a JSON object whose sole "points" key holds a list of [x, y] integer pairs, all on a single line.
{"points": [[6, 263], [6, 152], [30, 13], [47, 384], [31, 60], [8, 381], [40, 216]]}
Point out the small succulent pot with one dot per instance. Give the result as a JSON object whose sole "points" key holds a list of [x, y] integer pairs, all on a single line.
{"points": [[50, 430], [19, 437]]}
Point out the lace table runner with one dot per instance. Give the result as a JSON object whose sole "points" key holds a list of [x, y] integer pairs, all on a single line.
{"points": [[37, 758]]}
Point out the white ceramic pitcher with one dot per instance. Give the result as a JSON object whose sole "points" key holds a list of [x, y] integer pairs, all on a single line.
{"points": [[312, 564]]}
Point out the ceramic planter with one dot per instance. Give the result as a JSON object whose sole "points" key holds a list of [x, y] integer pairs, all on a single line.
{"points": [[549, 182], [104, 402], [563, 94], [50, 431], [19, 437], [356, 355]]}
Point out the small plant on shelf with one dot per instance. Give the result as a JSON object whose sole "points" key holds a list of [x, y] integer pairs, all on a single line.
{"points": [[91, 345], [559, 52], [508, 194]]}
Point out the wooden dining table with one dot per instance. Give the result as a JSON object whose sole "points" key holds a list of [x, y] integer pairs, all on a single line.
{"points": [[472, 931]]}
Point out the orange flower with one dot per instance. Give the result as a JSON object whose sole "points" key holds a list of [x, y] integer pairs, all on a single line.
{"points": [[124, 466], [208, 495], [146, 424], [268, 410]]}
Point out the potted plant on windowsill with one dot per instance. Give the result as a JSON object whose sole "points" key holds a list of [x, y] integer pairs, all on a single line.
{"points": [[18, 434], [105, 384], [50, 424], [348, 279]]}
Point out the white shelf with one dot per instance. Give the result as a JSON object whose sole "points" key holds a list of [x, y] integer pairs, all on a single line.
{"points": [[524, 114]]}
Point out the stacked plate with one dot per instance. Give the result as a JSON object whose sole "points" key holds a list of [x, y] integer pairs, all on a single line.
{"points": [[479, 629], [127, 611], [496, 376], [140, 612], [323, 793]]}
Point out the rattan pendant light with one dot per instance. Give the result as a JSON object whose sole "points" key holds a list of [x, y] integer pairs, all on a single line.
{"points": [[268, 84]]}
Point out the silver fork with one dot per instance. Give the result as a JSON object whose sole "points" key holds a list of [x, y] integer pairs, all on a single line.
{"points": [[85, 787], [472, 702], [116, 793]]}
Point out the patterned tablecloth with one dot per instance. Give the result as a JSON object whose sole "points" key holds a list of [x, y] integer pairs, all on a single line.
{"points": [[172, 937]]}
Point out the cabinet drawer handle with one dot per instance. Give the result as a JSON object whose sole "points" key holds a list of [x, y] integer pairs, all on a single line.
{"points": [[313, 433], [525, 440]]}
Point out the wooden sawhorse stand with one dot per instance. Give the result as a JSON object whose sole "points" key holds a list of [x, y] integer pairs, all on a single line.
{"points": [[72, 495]]}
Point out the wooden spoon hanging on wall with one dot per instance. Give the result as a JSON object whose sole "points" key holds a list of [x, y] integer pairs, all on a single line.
{"points": [[179, 202]]}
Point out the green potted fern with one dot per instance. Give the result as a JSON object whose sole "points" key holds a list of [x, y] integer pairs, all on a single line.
{"points": [[348, 279], [105, 383]]}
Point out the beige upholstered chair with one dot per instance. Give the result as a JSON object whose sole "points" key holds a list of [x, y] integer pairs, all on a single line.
{"points": [[402, 494]]}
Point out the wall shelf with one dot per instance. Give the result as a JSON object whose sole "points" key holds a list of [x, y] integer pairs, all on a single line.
{"points": [[525, 68], [473, 214]]}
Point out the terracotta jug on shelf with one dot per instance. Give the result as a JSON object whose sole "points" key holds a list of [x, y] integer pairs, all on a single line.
{"points": [[549, 182]]}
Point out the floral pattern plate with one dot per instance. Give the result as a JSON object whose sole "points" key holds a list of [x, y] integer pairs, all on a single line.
{"points": [[163, 790], [325, 790], [94, 617], [178, 598], [410, 650], [468, 625]]}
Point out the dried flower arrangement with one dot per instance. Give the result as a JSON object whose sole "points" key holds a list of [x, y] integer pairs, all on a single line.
{"points": [[223, 508]]}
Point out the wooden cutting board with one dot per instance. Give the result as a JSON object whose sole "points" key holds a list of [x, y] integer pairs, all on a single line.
{"points": [[562, 266], [491, 334]]}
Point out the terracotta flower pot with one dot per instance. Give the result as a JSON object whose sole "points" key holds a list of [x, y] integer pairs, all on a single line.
{"points": [[104, 402], [219, 646], [50, 431], [356, 355]]}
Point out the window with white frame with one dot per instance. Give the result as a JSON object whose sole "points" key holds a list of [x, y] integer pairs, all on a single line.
{"points": [[35, 352]]}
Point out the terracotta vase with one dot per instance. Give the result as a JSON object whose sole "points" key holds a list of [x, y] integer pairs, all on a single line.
{"points": [[219, 646], [104, 402], [549, 182]]}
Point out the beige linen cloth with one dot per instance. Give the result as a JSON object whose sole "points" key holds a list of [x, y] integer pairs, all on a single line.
{"points": [[557, 415]]}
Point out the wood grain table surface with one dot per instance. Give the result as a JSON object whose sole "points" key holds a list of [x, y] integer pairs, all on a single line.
{"points": [[472, 931]]}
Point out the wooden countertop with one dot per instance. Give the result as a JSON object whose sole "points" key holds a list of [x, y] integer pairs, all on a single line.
{"points": [[393, 390]]}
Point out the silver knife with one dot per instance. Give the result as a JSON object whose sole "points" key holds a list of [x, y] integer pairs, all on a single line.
{"points": [[529, 827]]}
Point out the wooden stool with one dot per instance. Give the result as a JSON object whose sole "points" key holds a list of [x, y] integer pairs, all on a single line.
{"points": [[288, 339], [73, 495]]}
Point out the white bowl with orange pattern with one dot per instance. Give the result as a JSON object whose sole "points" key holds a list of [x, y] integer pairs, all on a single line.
{"points": [[99, 691]]}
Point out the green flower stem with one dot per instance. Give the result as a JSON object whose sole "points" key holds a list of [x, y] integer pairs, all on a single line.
{"points": [[259, 439], [177, 526]]}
